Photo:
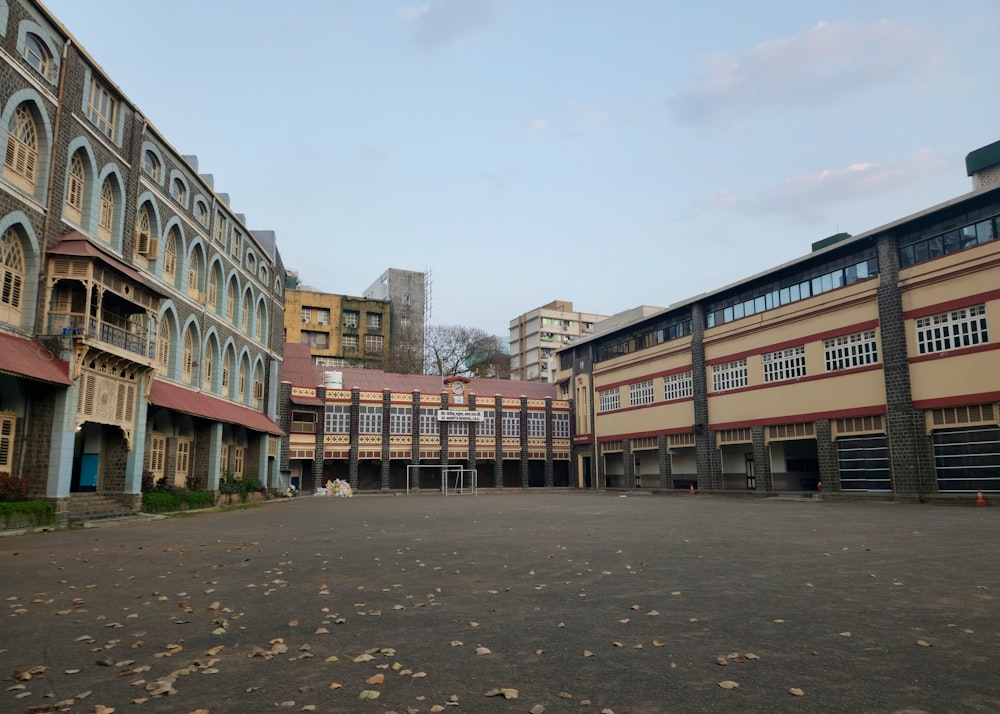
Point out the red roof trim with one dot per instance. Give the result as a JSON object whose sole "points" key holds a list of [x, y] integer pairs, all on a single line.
{"points": [[188, 401], [26, 358]]}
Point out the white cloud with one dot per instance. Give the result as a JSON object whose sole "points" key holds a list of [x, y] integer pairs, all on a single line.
{"points": [[534, 126], [448, 22], [815, 69], [809, 196], [591, 114]]}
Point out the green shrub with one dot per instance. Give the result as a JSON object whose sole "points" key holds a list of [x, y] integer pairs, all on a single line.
{"points": [[160, 502], [197, 499], [40, 513], [13, 488]]}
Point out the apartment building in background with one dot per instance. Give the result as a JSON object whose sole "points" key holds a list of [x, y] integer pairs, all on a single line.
{"points": [[867, 366], [536, 335], [408, 291], [140, 318]]}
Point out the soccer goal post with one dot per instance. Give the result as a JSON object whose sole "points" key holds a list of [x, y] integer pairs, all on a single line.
{"points": [[461, 479]]}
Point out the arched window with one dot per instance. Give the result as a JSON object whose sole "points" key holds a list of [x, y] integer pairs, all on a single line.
{"points": [[151, 165], [163, 346], [207, 367], [212, 291], [178, 191], [245, 314], [194, 269], [106, 218], [145, 244], [242, 394], [231, 301], [21, 160], [12, 273], [227, 368], [259, 327], [74, 188], [187, 358], [37, 55], [170, 257], [201, 211]]}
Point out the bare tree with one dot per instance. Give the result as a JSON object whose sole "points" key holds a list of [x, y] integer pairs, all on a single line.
{"points": [[451, 350]]}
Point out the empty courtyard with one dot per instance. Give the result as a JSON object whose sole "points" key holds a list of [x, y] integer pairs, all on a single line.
{"points": [[510, 602]]}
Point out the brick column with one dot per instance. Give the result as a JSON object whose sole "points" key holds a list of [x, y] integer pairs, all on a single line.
{"points": [[628, 464], [386, 438], [826, 452], [319, 449], [663, 461], [523, 419], [415, 441], [549, 478], [911, 453], [707, 454], [473, 434], [498, 442], [352, 468], [761, 460]]}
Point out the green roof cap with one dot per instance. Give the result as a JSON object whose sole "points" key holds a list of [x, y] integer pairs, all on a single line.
{"points": [[982, 158]]}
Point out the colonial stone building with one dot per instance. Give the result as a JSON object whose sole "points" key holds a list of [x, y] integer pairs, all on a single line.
{"points": [[140, 319], [867, 366], [373, 428]]}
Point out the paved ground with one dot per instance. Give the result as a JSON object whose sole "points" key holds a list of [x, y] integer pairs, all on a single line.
{"points": [[580, 602]]}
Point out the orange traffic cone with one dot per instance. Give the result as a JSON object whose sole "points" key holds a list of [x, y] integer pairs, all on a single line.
{"points": [[691, 490], [980, 501]]}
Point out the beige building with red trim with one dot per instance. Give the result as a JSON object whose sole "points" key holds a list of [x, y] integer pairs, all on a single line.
{"points": [[867, 366]]}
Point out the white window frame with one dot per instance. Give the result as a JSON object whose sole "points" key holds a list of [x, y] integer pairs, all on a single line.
{"points": [[784, 365], [678, 386], [428, 421], [560, 425], [609, 399], [401, 420], [536, 425], [640, 393], [952, 330], [337, 419], [510, 423], [849, 351], [369, 420], [729, 375], [488, 426]]}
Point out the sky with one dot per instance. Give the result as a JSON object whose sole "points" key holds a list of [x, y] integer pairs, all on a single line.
{"points": [[609, 153]]}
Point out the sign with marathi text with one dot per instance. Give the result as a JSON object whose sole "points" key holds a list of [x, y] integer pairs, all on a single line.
{"points": [[460, 415]]}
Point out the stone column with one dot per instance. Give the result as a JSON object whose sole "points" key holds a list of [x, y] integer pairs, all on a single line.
{"points": [[498, 442], [826, 451], [911, 453], [352, 467], [663, 461], [386, 438], [549, 478], [415, 441], [761, 460], [707, 454], [523, 419]]}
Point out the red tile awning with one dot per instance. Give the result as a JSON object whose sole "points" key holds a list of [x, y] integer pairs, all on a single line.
{"points": [[27, 358], [307, 401], [181, 399]]}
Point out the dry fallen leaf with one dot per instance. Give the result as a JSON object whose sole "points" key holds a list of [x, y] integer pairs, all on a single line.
{"points": [[537, 709], [368, 694], [924, 643], [796, 692], [375, 679], [729, 684], [483, 650]]}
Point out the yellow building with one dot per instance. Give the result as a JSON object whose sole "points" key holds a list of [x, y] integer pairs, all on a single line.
{"points": [[863, 367], [341, 331]]}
